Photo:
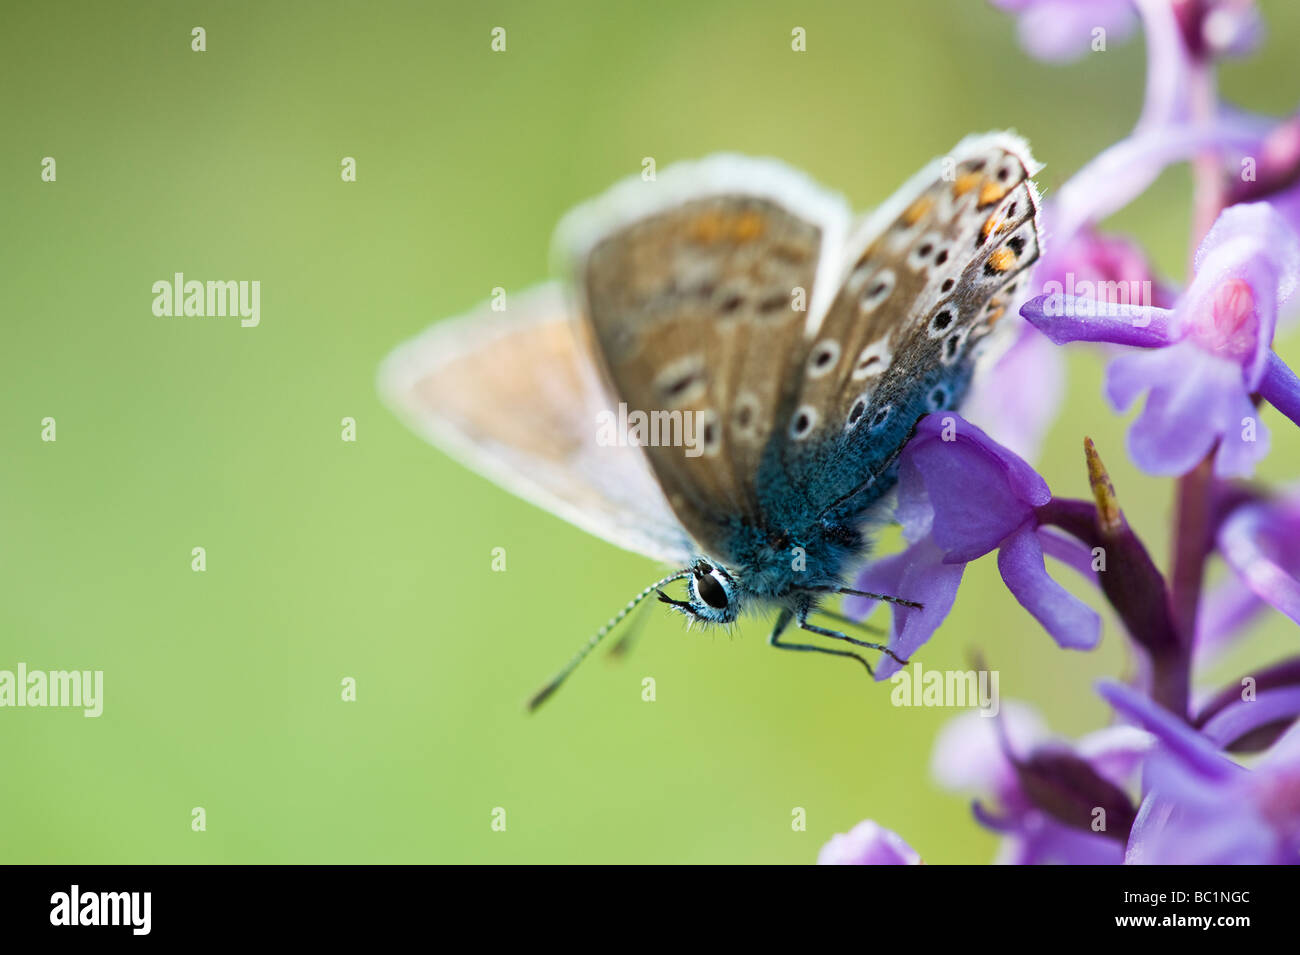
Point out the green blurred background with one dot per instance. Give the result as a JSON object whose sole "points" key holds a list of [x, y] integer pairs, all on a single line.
{"points": [[372, 560]]}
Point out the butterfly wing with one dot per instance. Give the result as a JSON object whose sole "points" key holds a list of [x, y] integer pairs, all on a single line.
{"points": [[697, 289], [927, 277], [514, 396]]}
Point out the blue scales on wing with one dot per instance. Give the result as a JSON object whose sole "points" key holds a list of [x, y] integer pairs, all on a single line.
{"points": [[925, 283]]}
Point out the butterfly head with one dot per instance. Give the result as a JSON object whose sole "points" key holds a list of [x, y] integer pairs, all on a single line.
{"points": [[714, 595]]}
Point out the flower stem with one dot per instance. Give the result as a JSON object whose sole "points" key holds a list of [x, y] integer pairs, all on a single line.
{"points": [[1195, 490], [1130, 580], [1195, 499], [1208, 191]]}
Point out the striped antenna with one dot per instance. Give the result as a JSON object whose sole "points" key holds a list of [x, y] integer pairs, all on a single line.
{"points": [[544, 693]]}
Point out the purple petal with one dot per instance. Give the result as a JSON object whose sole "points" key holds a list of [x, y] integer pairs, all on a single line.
{"points": [[1255, 543], [1116, 751], [968, 753], [1280, 387], [1186, 820], [1248, 231], [979, 491], [1070, 622], [1233, 28], [1124, 171], [991, 820], [1224, 612], [1252, 243], [1041, 840], [1183, 742], [1195, 399], [1111, 269], [1064, 319], [1169, 66], [1060, 30], [1242, 717], [1016, 398], [868, 843], [1283, 759], [913, 510], [1069, 551], [1240, 449], [919, 573]]}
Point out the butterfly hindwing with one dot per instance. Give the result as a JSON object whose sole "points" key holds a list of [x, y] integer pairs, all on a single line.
{"points": [[514, 396], [925, 282], [697, 290]]}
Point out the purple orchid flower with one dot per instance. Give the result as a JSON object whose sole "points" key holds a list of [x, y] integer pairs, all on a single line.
{"points": [[1045, 792], [961, 496], [1200, 807], [1088, 263], [1060, 30], [1016, 398], [1260, 541], [868, 843], [1205, 357], [1213, 28], [1270, 170]]}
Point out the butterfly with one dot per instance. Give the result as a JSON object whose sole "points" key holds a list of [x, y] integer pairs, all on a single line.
{"points": [[736, 296]]}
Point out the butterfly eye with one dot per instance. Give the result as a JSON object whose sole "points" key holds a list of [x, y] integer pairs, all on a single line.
{"points": [[711, 592]]}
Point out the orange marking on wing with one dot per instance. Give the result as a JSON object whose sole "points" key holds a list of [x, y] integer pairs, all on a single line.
{"points": [[707, 228], [747, 227], [1002, 259], [991, 193], [917, 210], [993, 225], [964, 184]]}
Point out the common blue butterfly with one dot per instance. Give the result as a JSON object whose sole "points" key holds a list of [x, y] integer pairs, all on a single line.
{"points": [[738, 293]]}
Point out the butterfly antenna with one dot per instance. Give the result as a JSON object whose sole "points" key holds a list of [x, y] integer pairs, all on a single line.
{"points": [[545, 692], [634, 628]]}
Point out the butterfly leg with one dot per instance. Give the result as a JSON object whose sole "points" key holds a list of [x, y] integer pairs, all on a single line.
{"points": [[888, 598], [839, 617], [783, 621], [837, 636]]}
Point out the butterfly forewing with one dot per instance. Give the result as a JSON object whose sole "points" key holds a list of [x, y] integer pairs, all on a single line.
{"points": [[698, 304], [926, 280]]}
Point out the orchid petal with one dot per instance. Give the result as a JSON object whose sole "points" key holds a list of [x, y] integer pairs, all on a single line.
{"points": [[1070, 622]]}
